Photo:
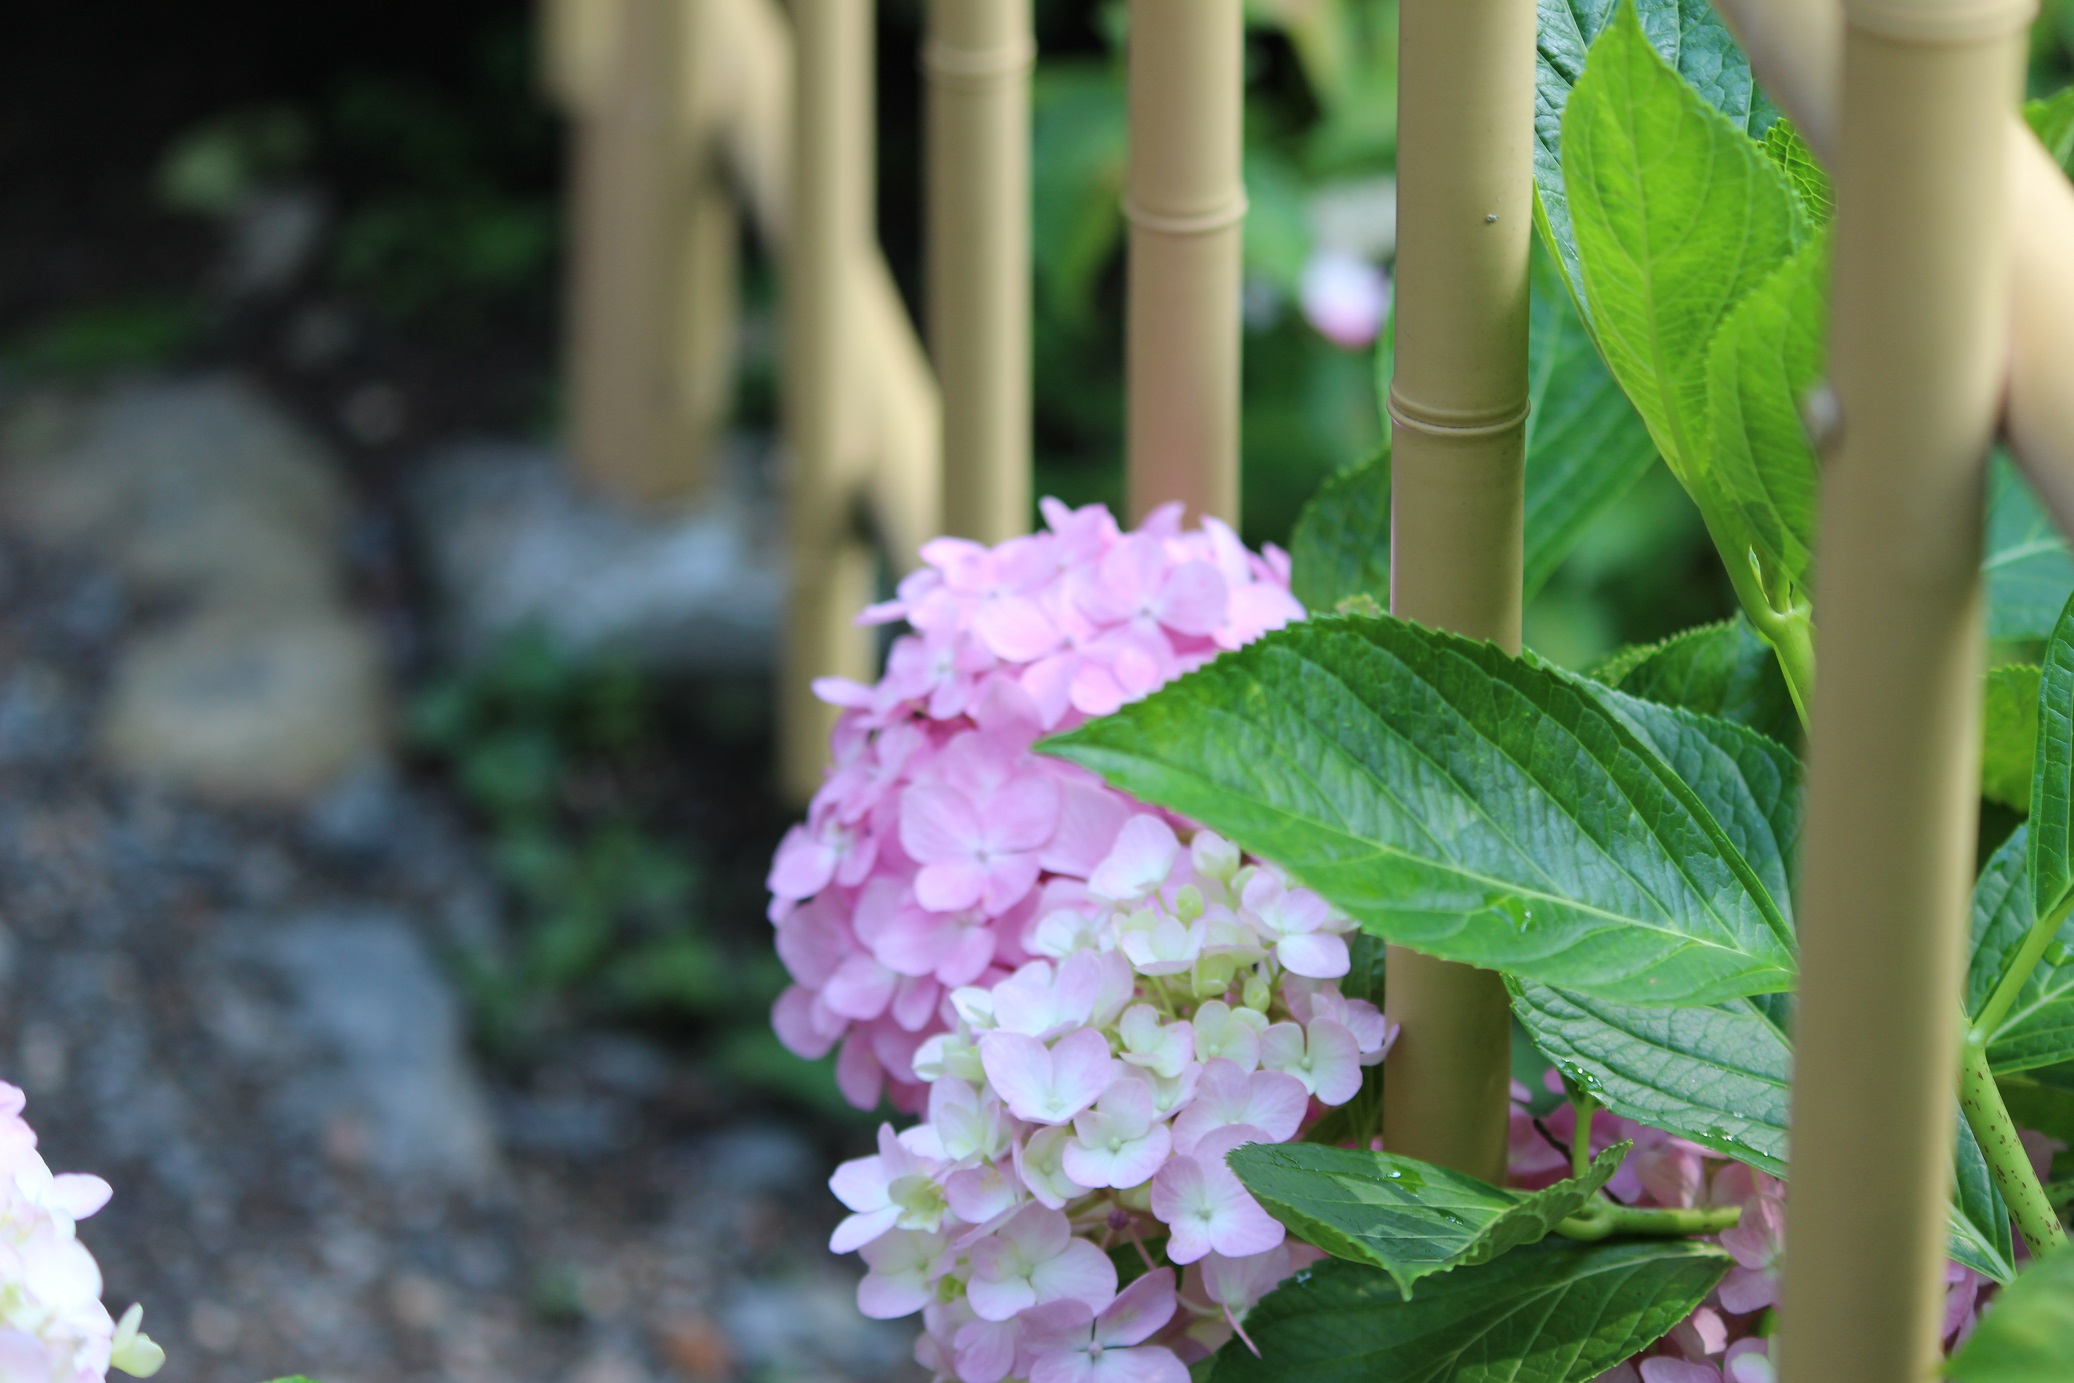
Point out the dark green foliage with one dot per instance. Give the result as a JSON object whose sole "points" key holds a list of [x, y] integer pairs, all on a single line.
{"points": [[1553, 1312], [2027, 1333], [1407, 1217], [1723, 670]]}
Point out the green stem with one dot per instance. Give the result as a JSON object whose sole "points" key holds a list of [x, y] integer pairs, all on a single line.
{"points": [[1603, 1219], [2011, 985], [1582, 1106], [2029, 1205], [1790, 632]]}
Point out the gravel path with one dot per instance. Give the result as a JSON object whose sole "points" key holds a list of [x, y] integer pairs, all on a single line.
{"points": [[241, 1019]]}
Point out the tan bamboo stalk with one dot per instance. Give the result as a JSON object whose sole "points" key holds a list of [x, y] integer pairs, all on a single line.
{"points": [[1185, 200], [630, 219], [828, 244], [1918, 353], [1796, 46], [1458, 409], [576, 50], [977, 57]]}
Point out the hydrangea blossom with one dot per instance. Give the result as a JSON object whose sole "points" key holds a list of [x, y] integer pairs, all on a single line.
{"points": [[1090, 1001], [1726, 1338], [53, 1328]]}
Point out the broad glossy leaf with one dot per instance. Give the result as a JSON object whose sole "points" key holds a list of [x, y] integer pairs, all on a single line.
{"points": [[2009, 735], [1679, 216], [1340, 546], [2027, 1333], [2051, 859], [1473, 806], [1690, 37], [1763, 360], [1586, 446], [1553, 1312], [1784, 146], [1725, 670], [1719, 1076], [2028, 570], [2052, 120], [1407, 1217], [2039, 1028], [1750, 785]]}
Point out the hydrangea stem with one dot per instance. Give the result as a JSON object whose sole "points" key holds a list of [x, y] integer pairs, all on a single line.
{"points": [[2029, 1204], [1603, 1219]]}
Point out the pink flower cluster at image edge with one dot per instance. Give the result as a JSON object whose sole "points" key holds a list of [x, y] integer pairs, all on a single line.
{"points": [[53, 1328], [1718, 1342]]}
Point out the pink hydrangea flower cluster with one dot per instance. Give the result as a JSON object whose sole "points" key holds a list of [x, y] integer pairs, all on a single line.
{"points": [[939, 840], [1720, 1341], [53, 1327], [1091, 1002]]}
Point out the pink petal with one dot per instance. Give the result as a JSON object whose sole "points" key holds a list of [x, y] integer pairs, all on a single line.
{"points": [[792, 1020], [858, 1074], [889, 1298], [938, 824], [1138, 1311], [1140, 861], [1078, 1272], [1082, 1069], [1748, 1289], [1316, 955], [984, 1351], [1335, 1062], [1146, 1364], [1090, 818], [1193, 599], [860, 988], [802, 867], [1022, 816], [952, 887], [1019, 1069], [1015, 629], [1664, 1369], [860, 1229]]}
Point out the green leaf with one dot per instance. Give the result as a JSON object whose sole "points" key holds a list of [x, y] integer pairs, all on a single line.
{"points": [[2009, 734], [2028, 570], [2052, 120], [1340, 546], [2042, 1100], [1690, 37], [1553, 1312], [1784, 146], [1725, 670], [1679, 217], [1586, 446], [1719, 1076], [1407, 1217], [2051, 859], [1763, 360], [2026, 1334], [1749, 784], [1470, 805], [2039, 1028]]}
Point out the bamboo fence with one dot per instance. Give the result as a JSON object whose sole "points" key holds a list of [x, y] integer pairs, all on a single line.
{"points": [[1954, 313]]}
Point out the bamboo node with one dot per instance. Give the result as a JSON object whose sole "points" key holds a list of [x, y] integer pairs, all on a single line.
{"points": [[977, 69], [1230, 214], [1911, 21], [1435, 423]]}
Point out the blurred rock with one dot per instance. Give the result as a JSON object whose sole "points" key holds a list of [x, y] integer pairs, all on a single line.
{"points": [[196, 487], [808, 1328], [367, 989], [512, 542], [249, 704]]}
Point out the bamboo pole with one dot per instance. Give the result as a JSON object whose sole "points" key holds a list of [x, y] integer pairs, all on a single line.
{"points": [[1185, 200], [1919, 350], [1796, 47], [1458, 409], [828, 244], [977, 57], [626, 267]]}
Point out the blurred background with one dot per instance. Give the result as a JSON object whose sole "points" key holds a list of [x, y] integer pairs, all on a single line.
{"points": [[383, 818]]}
